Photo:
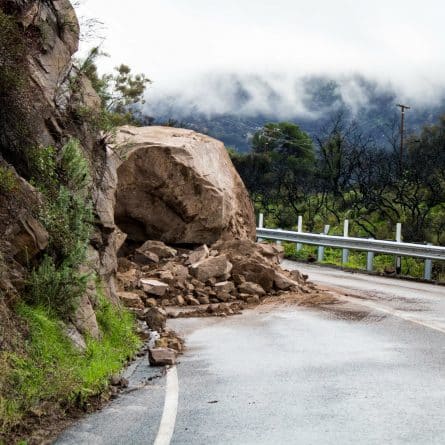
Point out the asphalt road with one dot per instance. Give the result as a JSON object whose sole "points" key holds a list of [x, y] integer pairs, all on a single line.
{"points": [[366, 370]]}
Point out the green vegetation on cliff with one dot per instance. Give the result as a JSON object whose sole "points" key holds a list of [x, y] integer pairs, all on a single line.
{"points": [[47, 373], [66, 213]]}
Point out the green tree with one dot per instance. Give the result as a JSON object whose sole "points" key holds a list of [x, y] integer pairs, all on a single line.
{"points": [[284, 138], [121, 92], [279, 170]]}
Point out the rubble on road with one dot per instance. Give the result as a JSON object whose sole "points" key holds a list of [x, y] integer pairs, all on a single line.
{"points": [[218, 280], [232, 271]]}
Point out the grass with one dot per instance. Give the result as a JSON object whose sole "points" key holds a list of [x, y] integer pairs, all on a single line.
{"points": [[49, 373]]}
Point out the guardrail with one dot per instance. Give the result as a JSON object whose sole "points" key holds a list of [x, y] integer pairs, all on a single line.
{"points": [[397, 248]]}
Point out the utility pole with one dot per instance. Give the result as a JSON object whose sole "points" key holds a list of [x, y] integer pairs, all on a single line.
{"points": [[402, 132]]}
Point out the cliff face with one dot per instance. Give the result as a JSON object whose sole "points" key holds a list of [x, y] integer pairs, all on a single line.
{"points": [[44, 107]]}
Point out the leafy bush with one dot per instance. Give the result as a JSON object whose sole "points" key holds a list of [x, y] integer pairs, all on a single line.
{"points": [[8, 181], [75, 171], [64, 181], [67, 219], [58, 289], [42, 162]]}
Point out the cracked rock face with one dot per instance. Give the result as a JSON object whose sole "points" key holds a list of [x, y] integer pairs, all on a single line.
{"points": [[179, 186]]}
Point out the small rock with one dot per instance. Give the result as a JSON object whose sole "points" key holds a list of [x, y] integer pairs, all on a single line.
{"points": [[131, 300], [212, 308], [282, 282], [255, 299], [124, 264], [166, 276], [192, 301], [129, 279], [180, 300], [180, 272], [151, 302], [238, 279], [161, 342], [271, 251], [211, 267], [144, 258], [158, 248], [390, 270], [224, 297], [189, 287], [224, 286], [161, 356], [199, 254], [175, 343], [156, 318], [197, 284], [117, 380], [243, 296], [154, 287], [251, 288], [203, 299]]}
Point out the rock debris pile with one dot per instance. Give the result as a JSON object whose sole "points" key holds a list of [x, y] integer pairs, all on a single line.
{"points": [[156, 281]]}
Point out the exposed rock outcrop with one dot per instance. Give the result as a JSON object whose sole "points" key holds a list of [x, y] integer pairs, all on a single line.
{"points": [[180, 187]]}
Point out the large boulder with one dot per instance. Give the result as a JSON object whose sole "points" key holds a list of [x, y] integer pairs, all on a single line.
{"points": [[179, 186]]}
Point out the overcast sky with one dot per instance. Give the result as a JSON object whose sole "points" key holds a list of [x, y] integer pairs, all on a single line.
{"points": [[177, 43]]}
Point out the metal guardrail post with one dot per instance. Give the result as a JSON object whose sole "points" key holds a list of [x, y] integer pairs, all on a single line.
{"points": [[260, 224], [320, 254], [278, 241], [345, 252], [428, 267], [299, 230], [398, 240], [370, 260]]}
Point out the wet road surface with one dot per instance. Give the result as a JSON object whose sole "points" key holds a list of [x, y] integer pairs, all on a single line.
{"points": [[344, 373], [409, 299]]}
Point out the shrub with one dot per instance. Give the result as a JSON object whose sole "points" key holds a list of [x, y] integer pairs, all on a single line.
{"points": [[57, 288], [64, 181], [75, 171], [8, 181]]}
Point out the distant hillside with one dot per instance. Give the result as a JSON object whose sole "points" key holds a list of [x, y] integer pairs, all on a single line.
{"points": [[250, 102]]}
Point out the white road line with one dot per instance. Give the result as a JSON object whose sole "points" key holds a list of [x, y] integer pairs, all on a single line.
{"points": [[393, 312], [168, 420]]}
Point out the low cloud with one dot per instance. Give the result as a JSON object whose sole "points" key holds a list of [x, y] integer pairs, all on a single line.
{"points": [[206, 55], [279, 96]]}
